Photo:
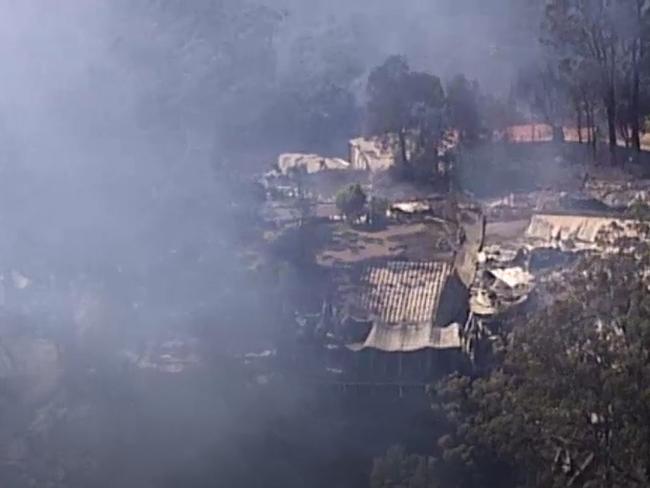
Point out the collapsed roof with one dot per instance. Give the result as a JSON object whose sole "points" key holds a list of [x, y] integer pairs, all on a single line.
{"points": [[549, 241], [499, 289], [580, 229]]}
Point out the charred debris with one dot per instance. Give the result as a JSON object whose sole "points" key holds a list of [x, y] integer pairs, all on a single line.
{"points": [[425, 282]]}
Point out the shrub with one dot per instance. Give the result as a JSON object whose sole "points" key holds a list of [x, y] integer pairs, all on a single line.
{"points": [[377, 208], [351, 201]]}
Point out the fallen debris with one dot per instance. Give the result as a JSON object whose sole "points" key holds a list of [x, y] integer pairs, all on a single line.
{"points": [[515, 277], [309, 163], [372, 154]]}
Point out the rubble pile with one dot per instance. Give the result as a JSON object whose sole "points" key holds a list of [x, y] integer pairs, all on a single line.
{"points": [[519, 205], [500, 289], [620, 194], [501, 251], [509, 269]]}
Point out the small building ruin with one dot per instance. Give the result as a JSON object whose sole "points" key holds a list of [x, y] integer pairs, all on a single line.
{"points": [[399, 320], [372, 153], [309, 163], [433, 288]]}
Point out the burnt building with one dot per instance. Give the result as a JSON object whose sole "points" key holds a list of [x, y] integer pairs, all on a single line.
{"points": [[400, 321]]}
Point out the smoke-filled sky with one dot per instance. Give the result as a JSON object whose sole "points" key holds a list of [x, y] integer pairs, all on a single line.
{"points": [[123, 125], [484, 40], [128, 130], [114, 113]]}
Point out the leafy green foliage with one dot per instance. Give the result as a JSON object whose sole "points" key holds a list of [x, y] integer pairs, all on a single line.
{"points": [[605, 45], [410, 105], [570, 404], [397, 469], [464, 106], [351, 201], [640, 210], [377, 208]]}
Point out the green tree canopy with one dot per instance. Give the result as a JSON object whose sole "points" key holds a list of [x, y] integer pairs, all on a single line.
{"points": [[464, 106], [409, 104], [351, 201], [570, 405]]}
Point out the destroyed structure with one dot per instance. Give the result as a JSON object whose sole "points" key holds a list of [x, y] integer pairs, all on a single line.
{"points": [[372, 153], [309, 163], [397, 319], [431, 291], [531, 237]]}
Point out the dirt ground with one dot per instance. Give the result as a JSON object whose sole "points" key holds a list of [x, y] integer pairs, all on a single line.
{"points": [[340, 244], [499, 232]]}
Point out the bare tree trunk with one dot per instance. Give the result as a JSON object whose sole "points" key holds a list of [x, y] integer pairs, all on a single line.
{"points": [[610, 106], [558, 133], [637, 56], [404, 168], [624, 132], [402, 146], [579, 122], [635, 116], [610, 101], [591, 122]]}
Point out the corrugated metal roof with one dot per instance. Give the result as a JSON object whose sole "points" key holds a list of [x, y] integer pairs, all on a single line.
{"points": [[411, 338], [402, 299], [403, 292]]}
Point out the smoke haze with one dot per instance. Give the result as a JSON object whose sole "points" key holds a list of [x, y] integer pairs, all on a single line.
{"points": [[129, 134]]}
